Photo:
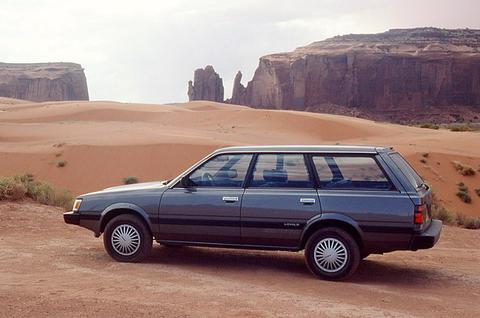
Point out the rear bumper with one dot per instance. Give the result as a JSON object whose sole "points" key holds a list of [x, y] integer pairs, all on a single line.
{"points": [[71, 218], [427, 238]]}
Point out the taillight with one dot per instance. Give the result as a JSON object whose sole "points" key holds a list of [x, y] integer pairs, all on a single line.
{"points": [[418, 214]]}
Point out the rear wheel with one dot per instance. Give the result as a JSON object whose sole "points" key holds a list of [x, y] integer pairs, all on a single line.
{"points": [[332, 253], [127, 238]]}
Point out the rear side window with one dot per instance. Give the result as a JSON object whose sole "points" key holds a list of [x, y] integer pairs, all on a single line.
{"points": [[344, 172], [281, 171], [407, 170]]}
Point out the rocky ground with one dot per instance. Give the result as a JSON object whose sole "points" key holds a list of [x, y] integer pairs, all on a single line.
{"points": [[48, 268]]}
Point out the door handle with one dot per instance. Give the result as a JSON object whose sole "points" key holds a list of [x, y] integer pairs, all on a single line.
{"points": [[307, 200], [230, 199]]}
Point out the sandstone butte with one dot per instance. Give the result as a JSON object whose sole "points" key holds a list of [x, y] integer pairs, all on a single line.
{"points": [[402, 75], [43, 81]]}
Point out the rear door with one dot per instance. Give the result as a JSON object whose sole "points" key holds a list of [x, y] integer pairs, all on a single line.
{"points": [[208, 210], [363, 188], [280, 197]]}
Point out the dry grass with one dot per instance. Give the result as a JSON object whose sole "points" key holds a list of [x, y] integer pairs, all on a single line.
{"points": [[130, 180], [24, 186], [463, 169], [430, 126], [451, 218]]}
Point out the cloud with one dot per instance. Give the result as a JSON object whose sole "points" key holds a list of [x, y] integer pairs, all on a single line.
{"points": [[146, 51]]}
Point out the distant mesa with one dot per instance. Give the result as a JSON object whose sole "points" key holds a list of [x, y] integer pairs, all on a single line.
{"points": [[402, 75], [41, 82], [207, 85]]}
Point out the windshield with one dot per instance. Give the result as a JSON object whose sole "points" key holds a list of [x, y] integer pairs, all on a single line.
{"points": [[407, 170]]}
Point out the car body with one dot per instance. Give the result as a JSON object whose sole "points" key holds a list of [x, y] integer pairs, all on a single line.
{"points": [[339, 203]]}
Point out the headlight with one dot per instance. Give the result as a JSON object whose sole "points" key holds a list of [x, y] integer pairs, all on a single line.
{"points": [[76, 205]]}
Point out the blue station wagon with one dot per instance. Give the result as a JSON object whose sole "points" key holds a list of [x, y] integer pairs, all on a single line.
{"points": [[338, 203]]}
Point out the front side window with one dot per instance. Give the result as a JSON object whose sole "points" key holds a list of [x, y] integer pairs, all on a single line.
{"points": [[227, 170], [281, 171], [344, 172]]}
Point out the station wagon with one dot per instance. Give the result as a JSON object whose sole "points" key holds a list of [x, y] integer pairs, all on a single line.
{"points": [[338, 203]]}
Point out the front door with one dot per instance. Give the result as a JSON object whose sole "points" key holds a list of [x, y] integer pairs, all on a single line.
{"points": [[207, 210], [278, 201]]}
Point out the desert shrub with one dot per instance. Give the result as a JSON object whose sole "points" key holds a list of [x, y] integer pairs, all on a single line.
{"points": [[460, 127], [472, 223], [465, 170], [464, 196], [463, 193], [12, 189], [468, 222], [425, 155], [477, 191], [61, 163], [23, 186], [130, 180], [423, 160], [444, 214], [430, 126]]}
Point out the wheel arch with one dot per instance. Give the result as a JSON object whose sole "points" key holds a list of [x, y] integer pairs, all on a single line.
{"points": [[333, 220], [122, 208]]}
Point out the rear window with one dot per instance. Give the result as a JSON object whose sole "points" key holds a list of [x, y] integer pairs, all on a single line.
{"points": [[345, 172], [407, 170]]}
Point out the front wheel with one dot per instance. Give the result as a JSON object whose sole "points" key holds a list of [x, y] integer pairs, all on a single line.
{"points": [[331, 253], [127, 239]]}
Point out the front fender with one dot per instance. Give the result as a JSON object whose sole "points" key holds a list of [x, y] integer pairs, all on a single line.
{"points": [[331, 217], [107, 214]]}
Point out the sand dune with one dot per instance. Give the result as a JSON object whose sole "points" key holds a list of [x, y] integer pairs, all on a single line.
{"points": [[103, 141]]}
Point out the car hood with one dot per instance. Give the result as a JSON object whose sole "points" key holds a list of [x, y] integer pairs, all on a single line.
{"points": [[131, 187]]}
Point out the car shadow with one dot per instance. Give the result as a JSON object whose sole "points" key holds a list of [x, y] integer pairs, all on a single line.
{"points": [[218, 259]]}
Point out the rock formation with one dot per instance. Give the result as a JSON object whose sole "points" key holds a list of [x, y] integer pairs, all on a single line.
{"points": [[400, 75], [41, 82], [207, 85], [239, 92]]}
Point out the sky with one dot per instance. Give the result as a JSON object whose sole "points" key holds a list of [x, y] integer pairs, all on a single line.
{"points": [[146, 50]]}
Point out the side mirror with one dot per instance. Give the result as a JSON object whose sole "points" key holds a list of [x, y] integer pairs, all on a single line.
{"points": [[185, 182]]}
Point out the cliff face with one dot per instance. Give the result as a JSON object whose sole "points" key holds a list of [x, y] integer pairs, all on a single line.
{"points": [[43, 81], [399, 75], [207, 85]]}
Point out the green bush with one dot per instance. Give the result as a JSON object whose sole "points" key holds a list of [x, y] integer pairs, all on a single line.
{"points": [[460, 127], [130, 180], [464, 196], [24, 186]]}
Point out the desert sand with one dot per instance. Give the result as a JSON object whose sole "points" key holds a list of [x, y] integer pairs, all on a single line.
{"points": [[103, 142], [49, 269]]}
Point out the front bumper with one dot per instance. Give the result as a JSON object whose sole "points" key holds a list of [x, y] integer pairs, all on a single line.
{"points": [[427, 238], [71, 218]]}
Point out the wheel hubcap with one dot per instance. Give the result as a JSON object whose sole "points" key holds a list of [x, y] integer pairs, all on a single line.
{"points": [[125, 239], [330, 255]]}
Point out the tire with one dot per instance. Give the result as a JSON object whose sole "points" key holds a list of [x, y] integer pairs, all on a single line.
{"points": [[328, 267], [127, 239]]}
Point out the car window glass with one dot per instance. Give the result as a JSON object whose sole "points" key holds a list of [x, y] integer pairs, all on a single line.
{"points": [[407, 170], [343, 172], [222, 171], [281, 170]]}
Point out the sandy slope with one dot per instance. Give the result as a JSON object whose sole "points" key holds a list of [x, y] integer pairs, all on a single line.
{"points": [[49, 269], [103, 142]]}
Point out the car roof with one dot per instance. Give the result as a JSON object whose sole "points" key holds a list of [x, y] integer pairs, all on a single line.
{"points": [[306, 148]]}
